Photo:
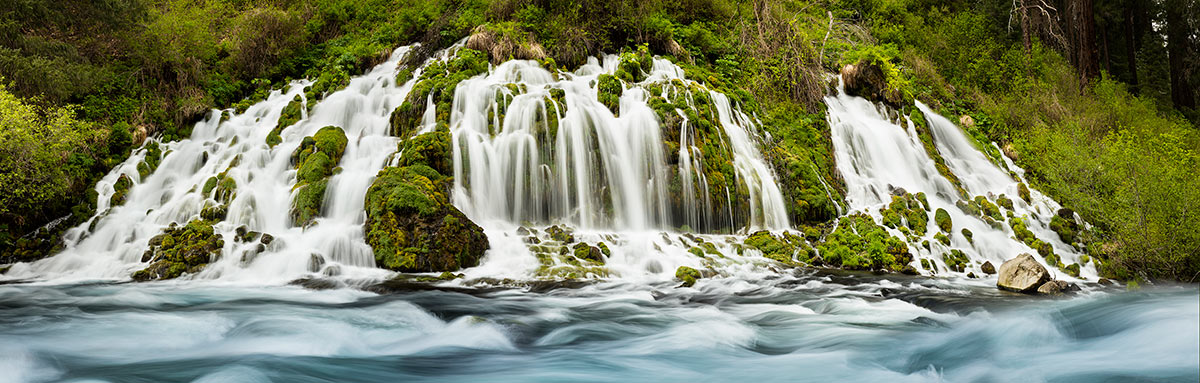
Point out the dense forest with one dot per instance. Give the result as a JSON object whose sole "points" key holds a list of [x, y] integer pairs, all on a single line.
{"points": [[1096, 99]]}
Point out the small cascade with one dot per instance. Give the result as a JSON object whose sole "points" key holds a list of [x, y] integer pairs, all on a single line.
{"points": [[881, 160]]}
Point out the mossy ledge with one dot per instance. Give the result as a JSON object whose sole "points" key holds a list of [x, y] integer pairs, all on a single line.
{"points": [[411, 224], [180, 250], [316, 160]]}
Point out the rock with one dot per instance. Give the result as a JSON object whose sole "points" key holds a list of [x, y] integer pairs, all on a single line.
{"points": [[1022, 274], [868, 80], [315, 262], [411, 225], [966, 121], [1055, 287], [1105, 282], [688, 275], [988, 268], [180, 250]]}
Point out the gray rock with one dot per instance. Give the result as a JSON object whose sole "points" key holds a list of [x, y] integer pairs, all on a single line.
{"points": [[988, 268], [1022, 274], [1052, 287]]}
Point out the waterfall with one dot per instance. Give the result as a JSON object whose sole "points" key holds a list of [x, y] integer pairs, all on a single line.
{"points": [[878, 157], [526, 156], [575, 161]]}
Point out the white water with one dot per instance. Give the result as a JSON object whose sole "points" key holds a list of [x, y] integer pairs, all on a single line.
{"points": [[602, 173], [875, 155]]}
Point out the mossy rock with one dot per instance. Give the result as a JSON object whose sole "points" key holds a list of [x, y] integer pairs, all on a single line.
{"points": [[956, 260], [411, 224], [316, 159], [859, 244], [290, 115], [942, 217], [687, 275], [120, 189], [788, 249], [609, 92], [180, 249]]}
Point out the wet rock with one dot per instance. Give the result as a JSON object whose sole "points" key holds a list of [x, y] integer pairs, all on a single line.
{"points": [[181, 250], [522, 231], [1105, 282], [868, 80], [315, 262], [687, 275], [411, 224], [1053, 287], [1022, 274], [988, 268]]}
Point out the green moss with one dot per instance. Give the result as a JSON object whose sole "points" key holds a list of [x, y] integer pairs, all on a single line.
{"points": [[609, 92], [907, 210], [966, 233], [788, 249], [588, 253], [942, 217], [956, 260], [858, 243], [1066, 229], [316, 158], [687, 275], [411, 224], [179, 250], [941, 237], [1004, 202], [120, 189], [290, 115], [1072, 269], [1023, 191]]}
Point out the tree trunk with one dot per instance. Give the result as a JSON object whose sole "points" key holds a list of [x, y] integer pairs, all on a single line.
{"points": [[1131, 41], [1178, 47]]}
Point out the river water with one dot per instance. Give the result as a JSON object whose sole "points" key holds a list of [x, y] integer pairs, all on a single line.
{"points": [[791, 328]]}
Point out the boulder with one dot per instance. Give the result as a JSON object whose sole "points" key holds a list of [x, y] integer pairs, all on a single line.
{"points": [[1057, 287], [1022, 274], [411, 225], [180, 250], [988, 268], [868, 80]]}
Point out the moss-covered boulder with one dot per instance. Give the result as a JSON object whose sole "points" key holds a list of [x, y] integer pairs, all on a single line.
{"points": [[180, 250], [859, 244], [411, 224], [787, 248], [316, 160], [868, 79], [687, 275]]}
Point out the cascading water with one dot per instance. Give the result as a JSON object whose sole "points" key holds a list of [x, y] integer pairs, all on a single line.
{"points": [[111, 244], [539, 158], [529, 146], [878, 158]]}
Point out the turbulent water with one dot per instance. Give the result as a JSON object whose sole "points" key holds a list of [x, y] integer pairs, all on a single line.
{"points": [[72, 317], [788, 329]]}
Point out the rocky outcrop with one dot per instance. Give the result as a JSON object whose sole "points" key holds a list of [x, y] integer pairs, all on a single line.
{"points": [[1022, 274], [868, 80], [411, 224], [180, 250]]}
